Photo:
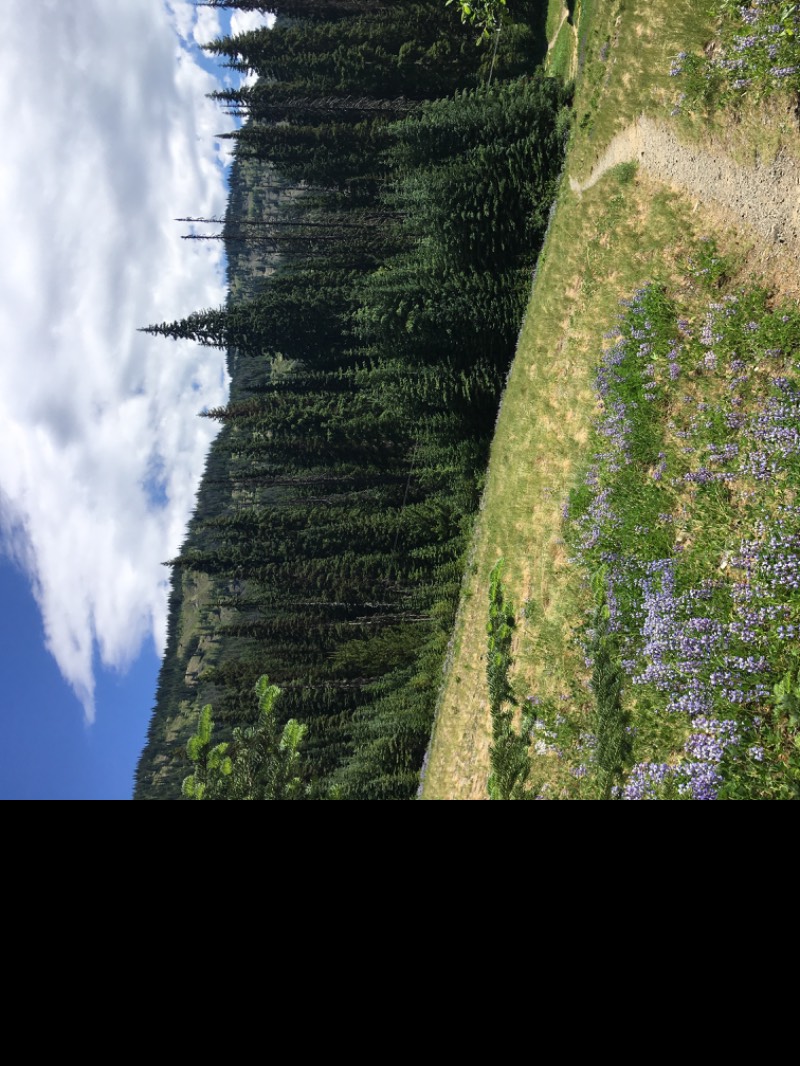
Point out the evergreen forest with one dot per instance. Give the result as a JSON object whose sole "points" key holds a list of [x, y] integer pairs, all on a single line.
{"points": [[391, 189]]}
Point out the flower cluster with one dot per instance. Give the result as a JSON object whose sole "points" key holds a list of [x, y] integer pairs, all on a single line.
{"points": [[698, 776], [760, 53], [687, 518]]}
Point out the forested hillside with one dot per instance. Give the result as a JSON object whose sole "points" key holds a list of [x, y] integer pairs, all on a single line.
{"points": [[390, 194]]}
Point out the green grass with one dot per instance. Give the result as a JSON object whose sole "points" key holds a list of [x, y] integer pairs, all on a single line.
{"points": [[555, 13], [687, 529], [600, 247], [561, 59], [625, 53], [627, 231], [758, 121], [758, 55]]}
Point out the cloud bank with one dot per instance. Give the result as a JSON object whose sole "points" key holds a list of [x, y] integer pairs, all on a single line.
{"points": [[109, 137]]}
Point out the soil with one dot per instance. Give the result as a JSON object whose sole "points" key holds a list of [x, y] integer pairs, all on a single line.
{"points": [[763, 198]]}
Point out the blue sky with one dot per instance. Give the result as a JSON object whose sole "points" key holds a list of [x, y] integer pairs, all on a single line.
{"points": [[48, 750], [100, 446]]}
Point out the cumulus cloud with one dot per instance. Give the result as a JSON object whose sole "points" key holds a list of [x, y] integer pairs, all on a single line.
{"points": [[247, 21], [109, 138], [207, 28]]}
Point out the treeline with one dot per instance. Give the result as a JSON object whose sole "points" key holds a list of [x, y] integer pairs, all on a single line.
{"points": [[387, 206]]}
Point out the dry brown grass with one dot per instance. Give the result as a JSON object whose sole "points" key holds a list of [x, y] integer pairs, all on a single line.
{"points": [[749, 135], [638, 39]]}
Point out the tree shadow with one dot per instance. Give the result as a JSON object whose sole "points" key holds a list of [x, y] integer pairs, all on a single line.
{"points": [[538, 20]]}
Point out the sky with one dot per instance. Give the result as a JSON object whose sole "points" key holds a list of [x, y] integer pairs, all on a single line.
{"points": [[109, 137]]}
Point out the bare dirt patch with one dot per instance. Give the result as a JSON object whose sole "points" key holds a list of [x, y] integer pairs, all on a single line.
{"points": [[763, 198]]}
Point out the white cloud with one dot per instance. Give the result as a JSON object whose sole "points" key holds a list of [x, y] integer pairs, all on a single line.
{"points": [[183, 14], [208, 26], [111, 140], [247, 21]]}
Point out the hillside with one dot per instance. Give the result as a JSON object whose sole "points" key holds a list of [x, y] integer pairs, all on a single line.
{"points": [[642, 482], [391, 191], [590, 593]]}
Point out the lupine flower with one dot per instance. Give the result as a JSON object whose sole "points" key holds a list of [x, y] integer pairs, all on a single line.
{"points": [[645, 780], [706, 650]]}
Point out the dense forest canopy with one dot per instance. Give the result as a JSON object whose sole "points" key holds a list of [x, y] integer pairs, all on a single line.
{"points": [[390, 192]]}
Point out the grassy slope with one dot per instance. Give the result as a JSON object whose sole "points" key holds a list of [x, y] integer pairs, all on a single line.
{"points": [[555, 14], [562, 52], [602, 246]]}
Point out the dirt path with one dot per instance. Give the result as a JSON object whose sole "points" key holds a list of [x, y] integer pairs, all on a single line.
{"points": [[552, 43], [564, 16], [765, 198]]}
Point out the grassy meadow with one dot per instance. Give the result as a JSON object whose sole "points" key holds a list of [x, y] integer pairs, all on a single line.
{"points": [[641, 490]]}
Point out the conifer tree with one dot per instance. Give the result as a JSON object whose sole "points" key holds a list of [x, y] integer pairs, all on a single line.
{"points": [[379, 247]]}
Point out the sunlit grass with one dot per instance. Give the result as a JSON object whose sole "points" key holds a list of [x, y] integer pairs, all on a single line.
{"points": [[625, 53], [600, 247], [561, 58], [555, 13], [623, 233]]}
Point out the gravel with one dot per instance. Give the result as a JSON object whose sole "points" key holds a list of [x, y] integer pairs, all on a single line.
{"points": [[763, 198]]}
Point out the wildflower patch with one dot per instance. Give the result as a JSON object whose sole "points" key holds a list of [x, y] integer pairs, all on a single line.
{"points": [[757, 54], [689, 519]]}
